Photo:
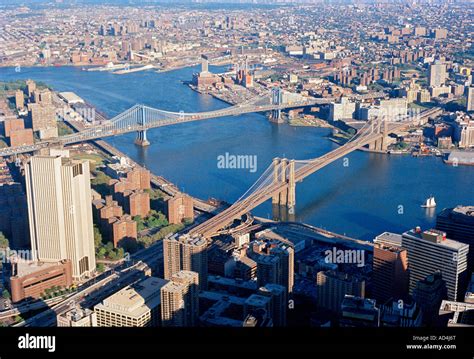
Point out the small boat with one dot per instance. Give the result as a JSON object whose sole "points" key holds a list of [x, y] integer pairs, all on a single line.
{"points": [[430, 203]]}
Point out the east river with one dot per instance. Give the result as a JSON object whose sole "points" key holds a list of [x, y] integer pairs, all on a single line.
{"points": [[373, 194]]}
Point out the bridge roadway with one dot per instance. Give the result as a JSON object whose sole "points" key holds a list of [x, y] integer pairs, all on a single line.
{"points": [[363, 138], [128, 121]]}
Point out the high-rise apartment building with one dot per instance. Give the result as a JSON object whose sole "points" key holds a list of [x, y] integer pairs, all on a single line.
{"points": [[279, 303], [60, 212], [180, 300], [19, 99], [470, 99], [437, 75], [429, 252], [186, 253], [390, 273], [277, 267], [180, 208]]}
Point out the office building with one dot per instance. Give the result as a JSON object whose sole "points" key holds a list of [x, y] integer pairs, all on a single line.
{"points": [[389, 239], [458, 223], [60, 212], [431, 251], [180, 208], [359, 312], [31, 279], [180, 300], [77, 317], [404, 314], [138, 305], [333, 286], [389, 273], [428, 294], [186, 253], [437, 75]]}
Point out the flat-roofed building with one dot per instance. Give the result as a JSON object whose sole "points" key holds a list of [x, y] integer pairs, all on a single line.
{"points": [[458, 223], [186, 253], [60, 211], [138, 305], [180, 208], [31, 279], [77, 317], [390, 273], [389, 239], [21, 137], [180, 300], [332, 286], [430, 252], [12, 124]]}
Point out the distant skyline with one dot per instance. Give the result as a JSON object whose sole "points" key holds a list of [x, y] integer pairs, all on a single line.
{"points": [[180, 2]]}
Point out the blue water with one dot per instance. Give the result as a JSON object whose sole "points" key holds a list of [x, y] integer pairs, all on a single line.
{"points": [[375, 193]]}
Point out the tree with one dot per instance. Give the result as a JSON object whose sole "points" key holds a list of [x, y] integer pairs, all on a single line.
{"points": [[3, 241], [100, 267], [97, 237], [101, 253], [6, 294]]}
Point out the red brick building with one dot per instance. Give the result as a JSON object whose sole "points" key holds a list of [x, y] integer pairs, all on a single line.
{"points": [[31, 279], [123, 228], [12, 125], [21, 137], [180, 208], [136, 203]]}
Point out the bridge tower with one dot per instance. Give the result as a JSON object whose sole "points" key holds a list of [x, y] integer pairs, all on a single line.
{"points": [[381, 126], [277, 99], [284, 172], [141, 139]]}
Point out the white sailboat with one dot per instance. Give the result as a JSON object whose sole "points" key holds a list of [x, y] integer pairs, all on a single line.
{"points": [[430, 203]]}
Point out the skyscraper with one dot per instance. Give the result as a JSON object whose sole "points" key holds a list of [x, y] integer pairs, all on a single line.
{"points": [[186, 253], [437, 74], [279, 302], [60, 212], [180, 300], [429, 252], [390, 273], [333, 286], [458, 223], [277, 267], [470, 99]]}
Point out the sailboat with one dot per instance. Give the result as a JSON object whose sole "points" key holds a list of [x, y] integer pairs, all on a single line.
{"points": [[430, 203]]}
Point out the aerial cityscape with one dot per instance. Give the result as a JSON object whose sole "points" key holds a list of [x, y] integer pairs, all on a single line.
{"points": [[237, 164]]}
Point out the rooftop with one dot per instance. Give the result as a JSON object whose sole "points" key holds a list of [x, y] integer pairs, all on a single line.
{"points": [[446, 243], [135, 300]]}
